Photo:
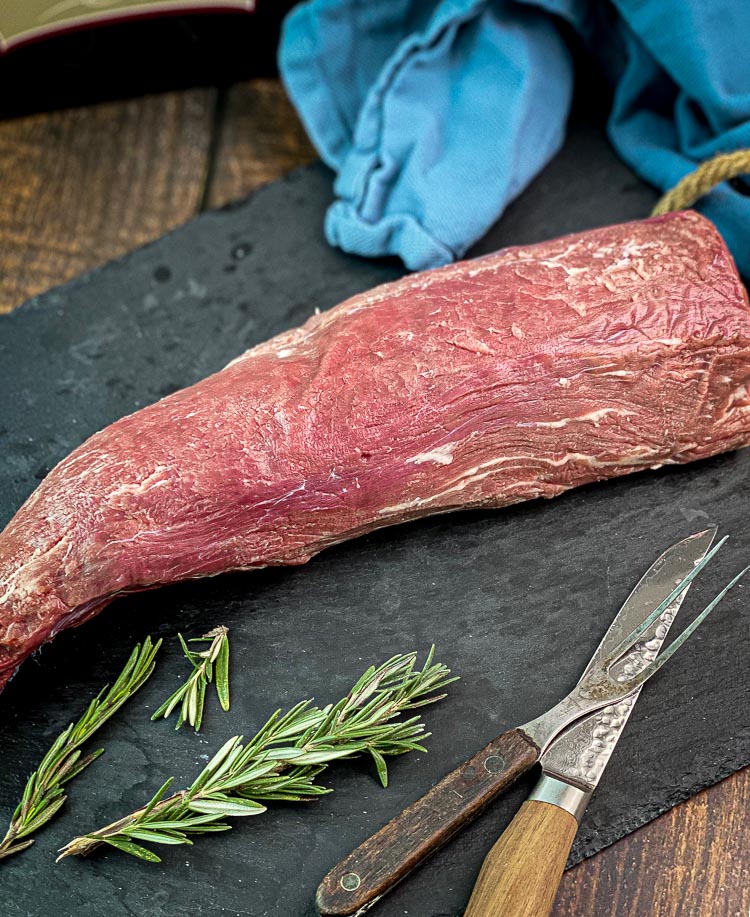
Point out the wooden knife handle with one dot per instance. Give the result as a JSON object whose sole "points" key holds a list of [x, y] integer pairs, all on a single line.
{"points": [[411, 837], [520, 875]]}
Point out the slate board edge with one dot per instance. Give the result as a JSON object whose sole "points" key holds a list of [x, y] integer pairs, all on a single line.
{"points": [[645, 815], [83, 279]]}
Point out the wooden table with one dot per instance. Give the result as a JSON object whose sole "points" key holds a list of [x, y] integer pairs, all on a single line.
{"points": [[81, 186]]}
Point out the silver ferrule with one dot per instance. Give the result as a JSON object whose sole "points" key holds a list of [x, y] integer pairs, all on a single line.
{"points": [[561, 794]]}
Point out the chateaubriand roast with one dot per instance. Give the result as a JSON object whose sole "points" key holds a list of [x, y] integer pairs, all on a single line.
{"points": [[515, 376]]}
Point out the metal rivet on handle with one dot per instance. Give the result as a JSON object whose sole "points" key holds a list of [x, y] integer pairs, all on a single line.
{"points": [[350, 881], [494, 764]]}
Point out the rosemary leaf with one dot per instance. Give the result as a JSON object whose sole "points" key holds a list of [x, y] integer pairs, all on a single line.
{"points": [[285, 757], [381, 766], [135, 850], [43, 795], [163, 838], [222, 674], [225, 807], [191, 695]]}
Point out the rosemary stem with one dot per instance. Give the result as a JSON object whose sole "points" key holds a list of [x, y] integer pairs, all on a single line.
{"points": [[284, 759], [87, 843], [43, 794]]}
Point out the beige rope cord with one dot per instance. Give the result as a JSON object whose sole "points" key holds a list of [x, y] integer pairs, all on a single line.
{"points": [[695, 184]]}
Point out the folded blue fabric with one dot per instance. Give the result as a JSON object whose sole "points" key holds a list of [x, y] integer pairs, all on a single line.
{"points": [[435, 115]]}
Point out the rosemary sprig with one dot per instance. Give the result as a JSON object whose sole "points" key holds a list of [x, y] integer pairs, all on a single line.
{"points": [[192, 693], [284, 759], [43, 794]]}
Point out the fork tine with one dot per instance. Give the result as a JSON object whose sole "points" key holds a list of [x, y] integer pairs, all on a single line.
{"points": [[627, 642], [667, 654]]}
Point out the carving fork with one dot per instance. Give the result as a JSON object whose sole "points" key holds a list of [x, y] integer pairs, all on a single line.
{"points": [[573, 741]]}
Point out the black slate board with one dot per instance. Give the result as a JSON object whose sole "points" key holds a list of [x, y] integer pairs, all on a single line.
{"points": [[515, 600]]}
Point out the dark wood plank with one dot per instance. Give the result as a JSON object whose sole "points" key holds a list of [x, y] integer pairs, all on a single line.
{"points": [[81, 186], [691, 862], [260, 139]]}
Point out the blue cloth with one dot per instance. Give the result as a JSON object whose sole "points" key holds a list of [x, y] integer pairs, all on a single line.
{"points": [[435, 115]]}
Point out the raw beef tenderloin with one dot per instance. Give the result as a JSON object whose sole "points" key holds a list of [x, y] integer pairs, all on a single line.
{"points": [[515, 376]]}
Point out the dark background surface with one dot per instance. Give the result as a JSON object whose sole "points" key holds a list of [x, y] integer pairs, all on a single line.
{"points": [[515, 600], [128, 58]]}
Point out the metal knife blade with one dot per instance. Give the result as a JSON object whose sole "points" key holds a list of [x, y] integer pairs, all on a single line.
{"points": [[581, 753]]}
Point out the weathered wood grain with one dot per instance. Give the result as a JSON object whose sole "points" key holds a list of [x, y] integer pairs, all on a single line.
{"points": [[694, 861], [520, 875], [384, 859], [81, 186], [260, 139]]}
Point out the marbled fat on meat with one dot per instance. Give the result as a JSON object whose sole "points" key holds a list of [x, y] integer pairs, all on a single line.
{"points": [[515, 376]]}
